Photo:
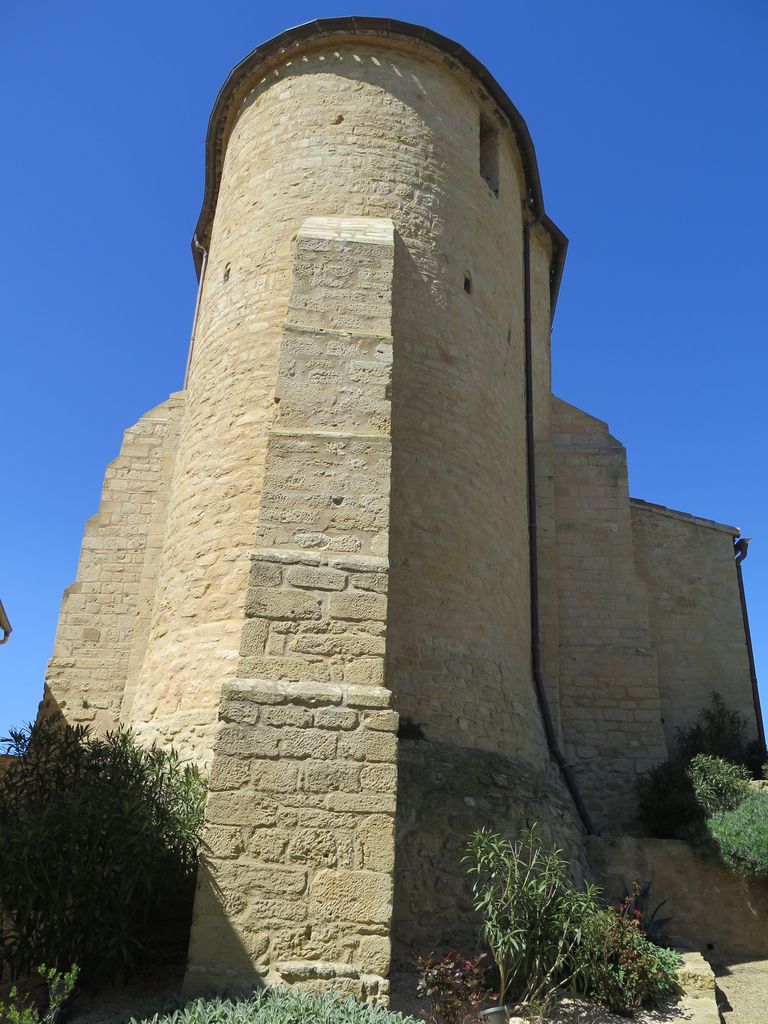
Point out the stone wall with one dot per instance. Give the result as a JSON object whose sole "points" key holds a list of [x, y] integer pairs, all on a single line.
{"points": [[609, 696], [444, 794], [295, 885], [97, 632], [713, 909], [697, 629], [377, 128]]}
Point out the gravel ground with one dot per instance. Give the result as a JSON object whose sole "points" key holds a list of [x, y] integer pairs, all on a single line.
{"points": [[742, 991], [569, 1011]]}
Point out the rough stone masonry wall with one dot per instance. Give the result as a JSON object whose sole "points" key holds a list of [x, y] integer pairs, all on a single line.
{"points": [[712, 908], [444, 794], [97, 628], [697, 627], [300, 890], [609, 695], [385, 129], [296, 884]]}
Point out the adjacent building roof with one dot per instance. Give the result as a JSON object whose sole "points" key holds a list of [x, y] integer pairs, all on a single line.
{"points": [[687, 517]]}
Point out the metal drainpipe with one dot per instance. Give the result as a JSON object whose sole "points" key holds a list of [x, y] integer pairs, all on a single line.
{"points": [[750, 653], [546, 715], [203, 265]]}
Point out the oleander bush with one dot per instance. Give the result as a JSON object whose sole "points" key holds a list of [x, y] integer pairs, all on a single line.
{"points": [[98, 849], [279, 1006], [545, 933]]}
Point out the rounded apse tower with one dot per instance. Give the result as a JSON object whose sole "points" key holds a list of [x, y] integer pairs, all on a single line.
{"points": [[357, 118], [347, 528]]}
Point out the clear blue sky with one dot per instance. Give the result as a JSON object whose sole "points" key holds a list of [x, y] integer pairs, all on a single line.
{"points": [[651, 128]]}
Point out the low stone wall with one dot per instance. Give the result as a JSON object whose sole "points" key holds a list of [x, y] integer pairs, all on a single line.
{"points": [[713, 909], [444, 794]]}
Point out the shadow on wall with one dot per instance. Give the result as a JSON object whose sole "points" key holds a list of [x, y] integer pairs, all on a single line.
{"points": [[444, 794], [713, 909]]}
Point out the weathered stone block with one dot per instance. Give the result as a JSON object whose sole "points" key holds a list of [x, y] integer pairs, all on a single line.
{"points": [[247, 741], [316, 577], [335, 718], [313, 846], [368, 745], [355, 896], [327, 777], [357, 607], [287, 715], [228, 773], [269, 603], [242, 807], [274, 776], [365, 670], [305, 743], [367, 697]]}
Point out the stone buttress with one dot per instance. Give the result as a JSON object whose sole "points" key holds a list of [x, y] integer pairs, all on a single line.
{"points": [[296, 882]]}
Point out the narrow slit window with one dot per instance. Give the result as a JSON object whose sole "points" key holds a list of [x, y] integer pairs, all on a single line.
{"points": [[489, 153], [467, 282]]}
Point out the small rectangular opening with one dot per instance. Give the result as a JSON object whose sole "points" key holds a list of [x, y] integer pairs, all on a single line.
{"points": [[489, 153]]}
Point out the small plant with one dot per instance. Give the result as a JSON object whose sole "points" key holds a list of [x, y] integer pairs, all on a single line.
{"points": [[635, 904], [532, 914], [621, 969], [18, 1011], [454, 985], [718, 785], [60, 986], [279, 1006], [741, 835]]}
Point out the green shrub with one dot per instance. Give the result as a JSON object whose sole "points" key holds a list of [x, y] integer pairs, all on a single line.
{"points": [[532, 913], [718, 730], [667, 804], [718, 785], [545, 933], [279, 1006], [98, 848], [455, 986], [620, 968], [741, 835], [59, 986]]}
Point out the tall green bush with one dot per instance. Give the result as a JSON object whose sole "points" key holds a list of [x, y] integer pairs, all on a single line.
{"points": [[98, 846], [667, 803], [717, 784]]}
